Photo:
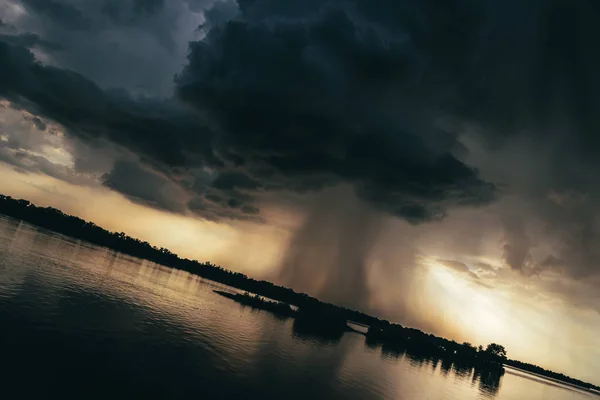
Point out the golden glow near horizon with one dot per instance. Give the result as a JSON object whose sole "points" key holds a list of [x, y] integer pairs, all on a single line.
{"points": [[475, 307], [544, 332], [253, 250]]}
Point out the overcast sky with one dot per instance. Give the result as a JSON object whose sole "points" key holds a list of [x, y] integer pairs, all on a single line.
{"points": [[432, 162]]}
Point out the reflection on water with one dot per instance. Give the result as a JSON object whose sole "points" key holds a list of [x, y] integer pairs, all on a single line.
{"points": [[488, 381], [79, 321], [304, 331]]}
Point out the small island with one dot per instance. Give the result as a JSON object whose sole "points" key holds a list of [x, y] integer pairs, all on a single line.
{"points": [[256, 301], [321, 321]]}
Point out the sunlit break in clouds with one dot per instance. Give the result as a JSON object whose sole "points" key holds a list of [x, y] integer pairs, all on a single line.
{"points": [[430, 162]]}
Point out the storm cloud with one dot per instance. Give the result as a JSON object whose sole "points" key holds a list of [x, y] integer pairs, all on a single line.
{"points": [[312, 107], [420, 108]]}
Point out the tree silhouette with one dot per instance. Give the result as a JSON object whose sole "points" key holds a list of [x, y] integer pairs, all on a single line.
{"points": [[496, 351]]}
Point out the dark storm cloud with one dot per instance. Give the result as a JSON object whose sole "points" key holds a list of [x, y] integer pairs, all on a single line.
{"points": [[218, 13], [234, 180], [134, 44], [302, 104], [170, 141], [314, 95], [300, 96], [145, 186], [63, 13], [555, 86], [30, 40], [10, 34], [148, 6], [222, 206], [153, 128]]}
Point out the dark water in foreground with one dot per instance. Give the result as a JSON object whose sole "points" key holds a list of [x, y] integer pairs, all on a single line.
{"points": [[78, 321]]}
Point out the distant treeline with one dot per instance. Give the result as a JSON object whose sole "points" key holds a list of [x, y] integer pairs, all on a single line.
{"points": [[380, 331], [550, 374]]}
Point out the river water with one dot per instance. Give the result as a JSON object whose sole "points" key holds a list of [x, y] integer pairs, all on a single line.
{"points": [[79, 321]]}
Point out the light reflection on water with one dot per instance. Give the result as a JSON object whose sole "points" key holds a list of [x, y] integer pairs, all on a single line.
{"points": [[80, 321]]}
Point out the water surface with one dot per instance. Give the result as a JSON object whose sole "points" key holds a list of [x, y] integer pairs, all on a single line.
{"points": [[81, 321]]}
